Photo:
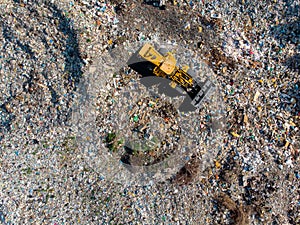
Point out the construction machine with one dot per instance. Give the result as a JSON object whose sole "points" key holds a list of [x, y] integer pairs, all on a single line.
{"points": [[147, 61]]}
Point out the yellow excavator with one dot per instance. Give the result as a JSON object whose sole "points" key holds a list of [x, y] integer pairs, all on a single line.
{"points": [[148, 62]]}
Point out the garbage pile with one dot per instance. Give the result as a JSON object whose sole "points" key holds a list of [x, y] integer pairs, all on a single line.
{"points": [[48, 49]]}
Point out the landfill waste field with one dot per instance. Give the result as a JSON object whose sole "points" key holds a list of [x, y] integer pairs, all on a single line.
{"points": [[149, 112]]}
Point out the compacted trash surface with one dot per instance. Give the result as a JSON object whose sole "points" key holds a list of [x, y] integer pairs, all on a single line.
{"points": [[249, 172]]}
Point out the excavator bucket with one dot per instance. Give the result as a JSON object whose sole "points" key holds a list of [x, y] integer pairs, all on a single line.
{"points": [[200, 92]]}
